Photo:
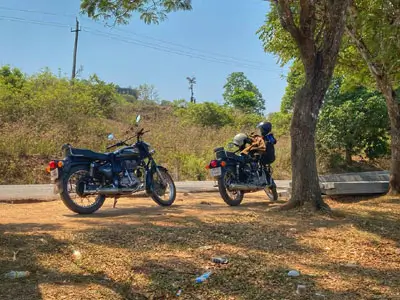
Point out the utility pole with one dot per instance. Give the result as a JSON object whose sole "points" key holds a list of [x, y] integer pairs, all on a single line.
{"points": [[192, 81], [75, 48]]}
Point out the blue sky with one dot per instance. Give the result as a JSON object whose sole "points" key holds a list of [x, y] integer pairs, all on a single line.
{"points": [[214, 39]]}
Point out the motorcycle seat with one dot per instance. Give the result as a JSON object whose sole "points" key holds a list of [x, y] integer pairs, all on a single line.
{"points": [[89, 154]]}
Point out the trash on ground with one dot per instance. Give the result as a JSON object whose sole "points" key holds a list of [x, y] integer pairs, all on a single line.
{"points": [[301, 289], [179, 292], [294, 273], [205, 247], [219, 260], [319, 296], [203, 277], [17, 274], [76, 255], [351, 264], [15, 255]]}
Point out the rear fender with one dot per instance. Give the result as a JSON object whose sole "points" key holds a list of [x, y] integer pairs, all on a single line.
{"points": [[65, 169]]}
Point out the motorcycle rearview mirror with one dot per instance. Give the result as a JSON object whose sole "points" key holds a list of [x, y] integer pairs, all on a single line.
{"points": [[110, 137]]}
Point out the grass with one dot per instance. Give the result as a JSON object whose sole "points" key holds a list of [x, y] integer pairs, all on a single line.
{"points": [[142, 251]]}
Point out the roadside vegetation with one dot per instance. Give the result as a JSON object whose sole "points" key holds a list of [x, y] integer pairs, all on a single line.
{"points": [[41, 112]]}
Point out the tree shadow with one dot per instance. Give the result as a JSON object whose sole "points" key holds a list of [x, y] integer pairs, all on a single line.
{"points": [[30, 249], [360, 276]]}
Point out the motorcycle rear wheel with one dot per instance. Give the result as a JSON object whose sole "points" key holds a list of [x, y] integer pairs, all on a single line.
{"points": [[81, 172], [232, 198]]}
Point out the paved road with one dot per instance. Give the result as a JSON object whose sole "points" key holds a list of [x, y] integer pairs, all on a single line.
{"points": [[44, 192]]}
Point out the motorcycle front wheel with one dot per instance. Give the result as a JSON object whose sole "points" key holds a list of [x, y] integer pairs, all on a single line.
{"points": [[163, 191], [232, 198]]}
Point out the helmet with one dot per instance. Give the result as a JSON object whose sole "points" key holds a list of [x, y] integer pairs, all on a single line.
{"points": [[265, 127], [239, 139]]}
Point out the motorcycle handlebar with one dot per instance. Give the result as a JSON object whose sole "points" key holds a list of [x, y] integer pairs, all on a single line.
{"points": [[122, 143]]}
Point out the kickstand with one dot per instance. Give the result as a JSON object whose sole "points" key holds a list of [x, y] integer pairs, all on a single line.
{"points": [[115, 202]]}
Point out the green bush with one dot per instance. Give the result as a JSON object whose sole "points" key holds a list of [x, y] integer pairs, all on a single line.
{"points": [[206, 114]]}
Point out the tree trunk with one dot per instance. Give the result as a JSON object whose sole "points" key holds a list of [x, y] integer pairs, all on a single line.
{"points": [[385, 86], [318, 49], [393, 106], [305, 182], [349, 160]]}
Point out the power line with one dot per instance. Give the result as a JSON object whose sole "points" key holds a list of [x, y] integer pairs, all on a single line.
{"points": [[23, 20], [157, 47], [171, 50], [37, 12], [201, 52], [190, 48]]}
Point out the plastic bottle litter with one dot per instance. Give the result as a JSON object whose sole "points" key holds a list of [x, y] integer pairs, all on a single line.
{"points": [[76, 255], [294, 273], [203, 277], [301, 289], [219, 260], [179, 292], [16, 274]]}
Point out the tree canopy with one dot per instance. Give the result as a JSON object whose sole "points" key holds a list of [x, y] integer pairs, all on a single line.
{"points": [[121, 11], [355, 122], [242, 94]]}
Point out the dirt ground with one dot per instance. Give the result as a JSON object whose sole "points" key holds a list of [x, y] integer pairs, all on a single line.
{"points": [[142, 251]]}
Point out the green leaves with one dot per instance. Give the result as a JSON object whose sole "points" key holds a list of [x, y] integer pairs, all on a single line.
{"points": [[242, 94], [354, 121], [120, 11]]}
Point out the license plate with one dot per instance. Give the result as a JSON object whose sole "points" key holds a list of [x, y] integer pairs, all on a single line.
{"points": [[215, 172], [54, 174]]}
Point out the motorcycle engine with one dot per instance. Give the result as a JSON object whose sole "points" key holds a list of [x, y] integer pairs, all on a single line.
{"points": [[128, 178], [253, 175]]}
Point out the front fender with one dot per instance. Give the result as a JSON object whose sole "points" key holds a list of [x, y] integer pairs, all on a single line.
{"points": [[149, 180]]}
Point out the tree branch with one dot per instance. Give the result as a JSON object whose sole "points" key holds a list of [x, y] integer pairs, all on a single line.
{"points": [[286, 18], [351, 31]]}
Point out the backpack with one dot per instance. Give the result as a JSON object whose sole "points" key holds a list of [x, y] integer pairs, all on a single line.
{"points": [[268, 156]]}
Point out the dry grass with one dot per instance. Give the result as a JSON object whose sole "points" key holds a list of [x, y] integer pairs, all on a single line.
{"points": [[142, 251]]}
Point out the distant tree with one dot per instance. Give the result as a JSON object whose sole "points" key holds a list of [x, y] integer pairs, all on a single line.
{"points": [[206, 114], [12, 76], [242, 94], [127, 91], [104, 94], [147, 93], [192, 82]]}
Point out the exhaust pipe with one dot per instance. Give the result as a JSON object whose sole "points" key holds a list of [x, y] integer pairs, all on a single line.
{"points": [[110, 191], [245, 187]]}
